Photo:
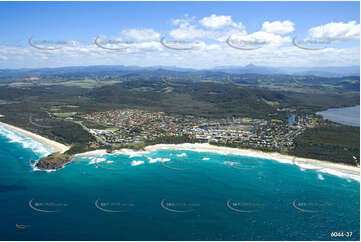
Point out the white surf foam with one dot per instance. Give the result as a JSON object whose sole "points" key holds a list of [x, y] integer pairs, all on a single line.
{"points": [[205, 158], [135, 154], [302, 166], [33, 165], [305, 166], [340, 174], [182, 155], [154, 160], [320, 177], [95, 160], [28, 143], [231, 163], [136, 162]]}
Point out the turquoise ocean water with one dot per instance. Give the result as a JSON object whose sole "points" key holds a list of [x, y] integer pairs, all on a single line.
{"points": [[170, 195]]}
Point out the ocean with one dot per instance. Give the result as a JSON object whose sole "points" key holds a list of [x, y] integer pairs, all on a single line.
{"points": [[171, 195], [348, 116]]}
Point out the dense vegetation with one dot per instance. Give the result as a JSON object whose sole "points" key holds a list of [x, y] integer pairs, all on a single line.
{"points": [[158, 140], [332, 143], [215, 99], [53, 161], [28, 103]]}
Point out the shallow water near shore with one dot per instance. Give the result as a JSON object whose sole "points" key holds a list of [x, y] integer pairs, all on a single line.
{"points": [[170, 195]]}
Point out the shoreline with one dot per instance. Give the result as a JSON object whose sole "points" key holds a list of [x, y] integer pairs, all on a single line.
{"points": [[303, 163], [205, 147], [55, 146]]}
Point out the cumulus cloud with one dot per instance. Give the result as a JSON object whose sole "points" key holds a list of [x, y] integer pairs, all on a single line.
{"points": [[215, 27], [206, 56], [335, 32], [259, 38], [210, 34], [219, 21], [183, 22], [278, 27], [188, 32], [141, 34]]}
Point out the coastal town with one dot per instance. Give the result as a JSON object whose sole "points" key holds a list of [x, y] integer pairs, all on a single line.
{"points": [[133, 126]]}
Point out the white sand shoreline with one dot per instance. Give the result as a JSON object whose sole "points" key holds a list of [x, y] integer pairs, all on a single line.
{"points": [[205, 147], [201, 147], [55, 146]]}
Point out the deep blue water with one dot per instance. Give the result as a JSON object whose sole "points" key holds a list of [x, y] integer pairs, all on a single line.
{"points": [[347, 116], [192, 196]]}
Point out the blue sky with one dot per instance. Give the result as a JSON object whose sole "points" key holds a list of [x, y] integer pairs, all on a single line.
{"points": [[274, 24]]}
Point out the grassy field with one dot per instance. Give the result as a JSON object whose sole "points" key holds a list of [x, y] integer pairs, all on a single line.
{"points": [[64, 115], [86, 83]]}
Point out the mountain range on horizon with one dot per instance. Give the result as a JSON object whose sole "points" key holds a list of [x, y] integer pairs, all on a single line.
{"points": [[332, 71]]}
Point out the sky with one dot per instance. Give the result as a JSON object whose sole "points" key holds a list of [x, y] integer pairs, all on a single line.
{"points": [[182, 34]]}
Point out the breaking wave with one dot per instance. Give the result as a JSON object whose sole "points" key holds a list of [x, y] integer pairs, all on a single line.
{"points": [[38, 148], [136, 162], [182, 155], [154, 160], [96, 160]]}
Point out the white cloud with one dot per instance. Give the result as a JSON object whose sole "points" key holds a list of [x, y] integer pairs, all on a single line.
{"points": [[211, 51], [278, 27], [335, 32], [223, 36], [216, 28], [188, 32], [259, 38], [183, 22], [219, 21], [207, 56], [141, 34]]}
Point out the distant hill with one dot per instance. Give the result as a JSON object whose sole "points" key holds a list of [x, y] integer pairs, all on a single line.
{"points": [[328, 71], [248, 69], [333, 71]]}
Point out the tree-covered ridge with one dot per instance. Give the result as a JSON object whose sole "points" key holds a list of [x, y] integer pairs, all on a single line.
{"points": [[336, 143]]}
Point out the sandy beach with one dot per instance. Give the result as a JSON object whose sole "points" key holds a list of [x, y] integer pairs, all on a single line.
{"points": [[254, 153], [57, 147], [301, 162], [304, 163]]}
